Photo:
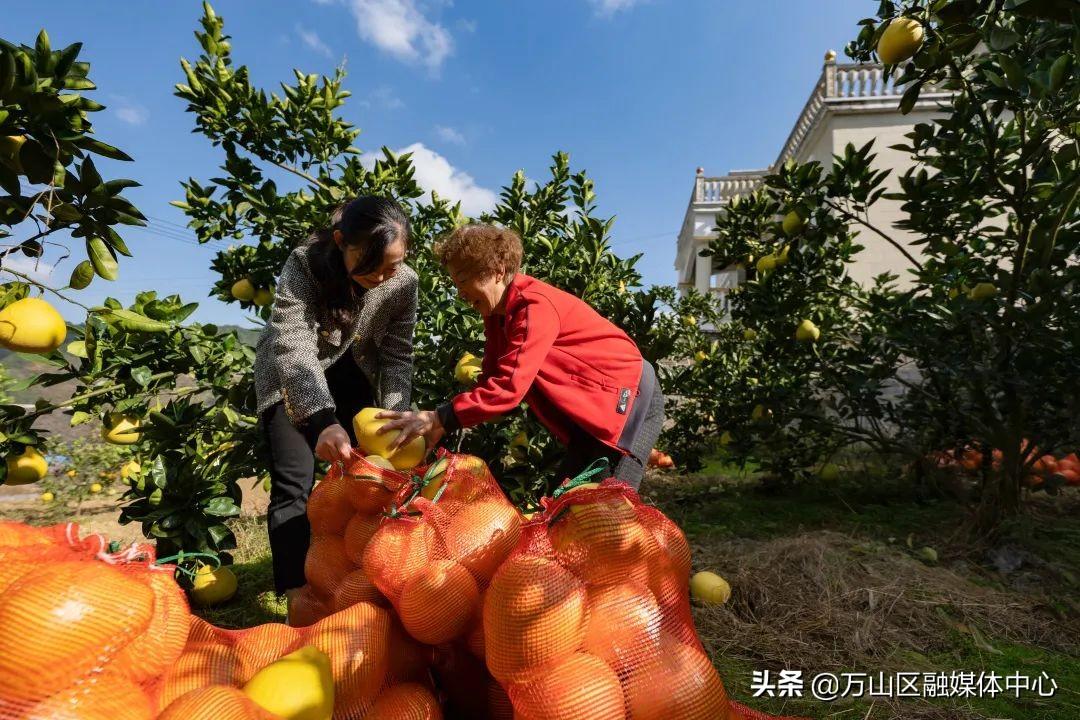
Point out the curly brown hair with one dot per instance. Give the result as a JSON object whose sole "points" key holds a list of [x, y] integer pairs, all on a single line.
{"points": [[481, 250]]}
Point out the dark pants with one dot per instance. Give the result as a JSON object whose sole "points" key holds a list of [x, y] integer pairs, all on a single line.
{"points": [[643, 430], [292, 470]]}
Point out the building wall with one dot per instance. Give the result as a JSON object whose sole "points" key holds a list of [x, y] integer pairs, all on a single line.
{"points": [[885, 129]]}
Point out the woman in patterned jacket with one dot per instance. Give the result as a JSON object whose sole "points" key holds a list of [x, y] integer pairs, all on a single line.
{"points": [[339, 339]]}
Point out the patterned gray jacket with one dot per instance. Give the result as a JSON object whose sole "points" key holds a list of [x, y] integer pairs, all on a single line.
{"points": [[298, 345]]}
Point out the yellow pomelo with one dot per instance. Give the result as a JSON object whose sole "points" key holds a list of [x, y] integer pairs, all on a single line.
{"points": [[380, 461], [829, 472], [96, 488], [793, 222], [47, 497], [436, 481], [709, 588], [807, 332], [467, 369], [211, 586], [902, 39], [130, 469], [983, 291], [766, 264], [29, 467], [263, 297], [761, 414], [366, 426], [243, 290], [298, 686], [10, 145], [749, 334], [31, 325], [120, 429]]}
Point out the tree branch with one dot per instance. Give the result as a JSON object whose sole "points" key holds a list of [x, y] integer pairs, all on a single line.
{"points": [[855, 218]]}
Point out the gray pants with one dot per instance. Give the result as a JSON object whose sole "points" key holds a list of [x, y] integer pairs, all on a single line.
{"points": [[583, 449]]}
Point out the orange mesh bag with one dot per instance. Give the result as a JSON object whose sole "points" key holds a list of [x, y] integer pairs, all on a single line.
{"points": [[85, 632], [357, 641], [590, 618], [344, 510], [436, 552]]}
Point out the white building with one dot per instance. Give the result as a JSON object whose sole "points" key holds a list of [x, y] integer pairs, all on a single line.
{"points": [[850, 104]]}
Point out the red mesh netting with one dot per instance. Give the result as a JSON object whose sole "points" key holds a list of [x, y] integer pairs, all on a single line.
{"points": [[589, 618], [84, 632], [369, 657], [450, 603], [344, 510]]}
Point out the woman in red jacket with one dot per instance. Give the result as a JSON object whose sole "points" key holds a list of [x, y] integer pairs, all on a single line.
{"points": [[582, 376]]}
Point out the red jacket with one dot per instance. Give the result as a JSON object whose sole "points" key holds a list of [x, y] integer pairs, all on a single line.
{"points": [[563, 358]]}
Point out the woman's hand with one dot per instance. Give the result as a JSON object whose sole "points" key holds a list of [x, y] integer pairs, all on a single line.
{"points": [[333, 444], [422, 423]]}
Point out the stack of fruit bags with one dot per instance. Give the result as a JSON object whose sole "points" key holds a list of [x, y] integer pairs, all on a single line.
{"points": [[85, 631]]}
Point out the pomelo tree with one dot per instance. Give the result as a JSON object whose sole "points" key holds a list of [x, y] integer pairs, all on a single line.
{"points": [[983, 343], [290, 158], [55, 207]]}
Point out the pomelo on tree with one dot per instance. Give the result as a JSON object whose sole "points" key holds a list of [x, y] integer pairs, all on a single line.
{"points": [[26, 468], [467, 369], [120, 429], [901, 40], [243, 289], [807, 332], [792, 223], [31, 325], [263, 297]]}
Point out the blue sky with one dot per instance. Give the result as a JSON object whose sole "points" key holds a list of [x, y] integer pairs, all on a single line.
{"points": [[639, 92]]}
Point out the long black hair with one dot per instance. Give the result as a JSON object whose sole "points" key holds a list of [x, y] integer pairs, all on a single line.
{"points": [[372, 223]]}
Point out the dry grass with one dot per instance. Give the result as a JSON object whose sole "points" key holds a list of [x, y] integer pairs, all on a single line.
{"points": [[827, 600]]}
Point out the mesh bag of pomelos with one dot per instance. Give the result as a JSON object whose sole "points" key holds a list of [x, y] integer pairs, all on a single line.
{"points": [[344, 510], [353, 664], [437, 549], [589, 617], [87, 630], [433, 556]]}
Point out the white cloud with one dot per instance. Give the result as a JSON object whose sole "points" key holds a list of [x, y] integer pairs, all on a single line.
{"points": [[383, 97], [400, 28], [434, 172], [449, 134], [36, 269], [313, 41], [129, 111], [607, 8]]}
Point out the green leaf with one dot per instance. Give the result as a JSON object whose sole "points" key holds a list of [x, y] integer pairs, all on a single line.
{"points": [[102, 258], [103, 149], [132, 321], [42, 46], [1014, 73], [77, 348], [221, 507], [141, 375], [81, 276], [221, 537], [910, 97], [1002, 39], [1058, 72]]}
